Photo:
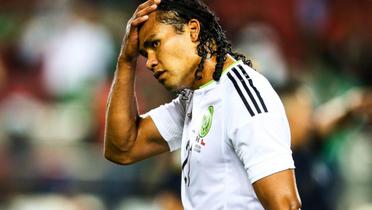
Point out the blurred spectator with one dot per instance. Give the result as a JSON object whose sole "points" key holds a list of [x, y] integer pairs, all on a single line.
{"points": [[261, 44], [338, 119], [345, 124], [315, 179], [76, 50]]}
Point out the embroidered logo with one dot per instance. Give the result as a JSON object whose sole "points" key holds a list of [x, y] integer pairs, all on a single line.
{"points": [[206, 122]]}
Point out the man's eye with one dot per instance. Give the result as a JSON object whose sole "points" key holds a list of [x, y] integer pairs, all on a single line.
{"points": [[155, 44]]}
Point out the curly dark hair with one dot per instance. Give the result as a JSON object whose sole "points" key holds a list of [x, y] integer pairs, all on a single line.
{"points": [[212, 38]]}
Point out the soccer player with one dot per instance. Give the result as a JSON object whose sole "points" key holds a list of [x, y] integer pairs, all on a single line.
{"points": [[228, 121]]}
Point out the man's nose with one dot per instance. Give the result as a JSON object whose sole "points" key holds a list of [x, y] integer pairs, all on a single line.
{"points": [[151, 63]]}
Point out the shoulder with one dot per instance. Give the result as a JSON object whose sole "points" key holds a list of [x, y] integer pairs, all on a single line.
{"points": [[247, 91]]}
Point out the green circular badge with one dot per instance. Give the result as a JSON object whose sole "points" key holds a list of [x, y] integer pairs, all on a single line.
{"points": [[206, 122]]}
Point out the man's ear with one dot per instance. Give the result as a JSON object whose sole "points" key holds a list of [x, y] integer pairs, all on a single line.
{"points": [[194, 26]]}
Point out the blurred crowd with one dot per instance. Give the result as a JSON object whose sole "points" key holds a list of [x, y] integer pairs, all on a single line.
{"points": [[57, 59]]}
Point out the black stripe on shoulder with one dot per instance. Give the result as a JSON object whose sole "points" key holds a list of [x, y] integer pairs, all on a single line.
{"points": [[240, 94], [254, 88], [247, 89]]}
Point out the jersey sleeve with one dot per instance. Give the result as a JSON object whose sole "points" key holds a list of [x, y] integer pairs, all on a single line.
{"points": [[169, 120], [261, 141]]}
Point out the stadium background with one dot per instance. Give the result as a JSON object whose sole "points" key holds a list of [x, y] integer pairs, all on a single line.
{"points": [[57, 58]]}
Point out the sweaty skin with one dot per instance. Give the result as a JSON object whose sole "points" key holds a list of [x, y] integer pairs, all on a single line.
{"points": [[130, 138]]}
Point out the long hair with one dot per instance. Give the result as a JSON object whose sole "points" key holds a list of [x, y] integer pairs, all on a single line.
{"points": [[212, 38]]}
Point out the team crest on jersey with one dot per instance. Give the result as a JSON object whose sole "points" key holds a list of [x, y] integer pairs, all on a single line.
{"points": [[206, 122]]}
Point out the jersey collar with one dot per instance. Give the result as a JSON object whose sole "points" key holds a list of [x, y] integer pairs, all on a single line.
{"points": [[212, 82]]}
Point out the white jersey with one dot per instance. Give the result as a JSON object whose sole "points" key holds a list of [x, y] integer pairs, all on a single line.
{"points": [[231, 134]]}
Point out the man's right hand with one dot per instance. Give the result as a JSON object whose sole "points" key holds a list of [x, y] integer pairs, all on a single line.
{"points": [[130, 45]]}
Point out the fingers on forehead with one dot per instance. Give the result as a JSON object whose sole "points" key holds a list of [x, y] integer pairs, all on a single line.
{"points": [[148, 3]]}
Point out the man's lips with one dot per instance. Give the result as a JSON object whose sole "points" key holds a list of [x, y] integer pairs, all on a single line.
{"points": [[157, 74]]}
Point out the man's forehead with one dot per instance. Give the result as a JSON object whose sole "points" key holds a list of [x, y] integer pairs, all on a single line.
{"points": [[149, 26], [153, 28]]}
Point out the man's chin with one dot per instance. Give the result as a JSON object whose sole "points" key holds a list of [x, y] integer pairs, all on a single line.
{"points": [[167, 85], [171, 87]]}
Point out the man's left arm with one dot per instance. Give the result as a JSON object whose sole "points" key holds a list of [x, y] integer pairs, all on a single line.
{"points": [[262, 142], [278, 191]]}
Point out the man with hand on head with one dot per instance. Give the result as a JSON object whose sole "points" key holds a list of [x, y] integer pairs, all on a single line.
{"points": [[228, 121]]}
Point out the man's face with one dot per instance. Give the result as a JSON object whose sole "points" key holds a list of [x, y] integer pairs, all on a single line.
{"points": [[171, 55]]}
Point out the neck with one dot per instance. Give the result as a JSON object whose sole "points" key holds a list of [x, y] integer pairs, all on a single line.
{"points": [[209, 68]]}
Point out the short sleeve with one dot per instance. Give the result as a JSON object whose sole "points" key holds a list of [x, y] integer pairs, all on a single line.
{"points": [[263, 145], [169, 120]]}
